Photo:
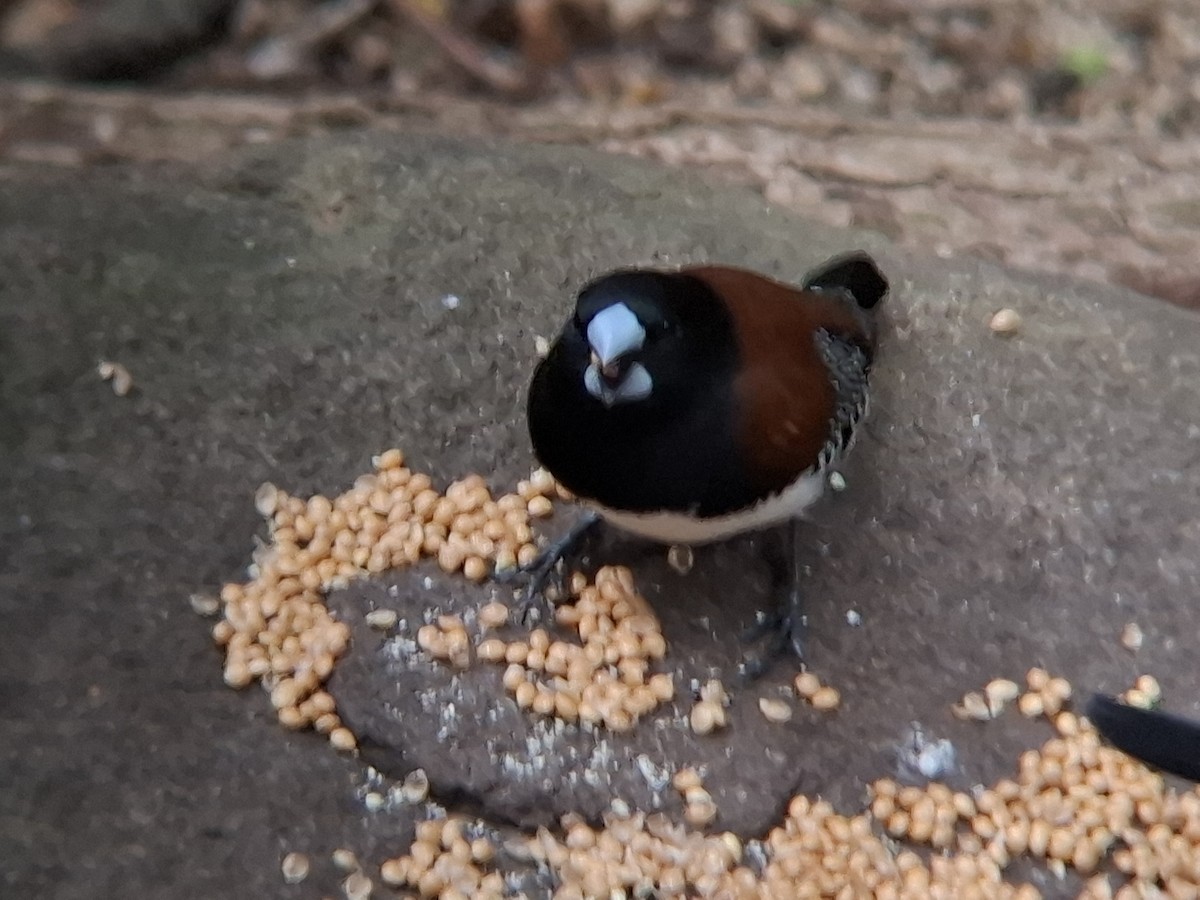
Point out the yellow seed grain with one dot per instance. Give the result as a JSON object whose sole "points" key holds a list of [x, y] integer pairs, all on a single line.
{"points": [[525, 694], [1149, 686], [543, 703], [516, 652], [1001, 691], [1132, 637], [326, 723], [662, 685], [973, 706], [897, 824], [382, 619], [680, 558], [1037, 678], [1031, 705], [774, 710], [704, 717], [540, 507], [491, 650], [565, 706], [294, 868], [826, 699], [475, 568], [1059, 688], [493, 615], [342, 739], [394, 872], [807, 684], [357, 886], [1006, 321], [700, 814], [292, 718]]}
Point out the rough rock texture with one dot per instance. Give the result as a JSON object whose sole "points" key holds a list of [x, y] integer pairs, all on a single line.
{"points": [[1014, 502], [1088, 200]]}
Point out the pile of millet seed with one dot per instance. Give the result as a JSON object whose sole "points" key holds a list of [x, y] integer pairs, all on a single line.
{"points": [[1071, 804], [1074, 803], [276, 628], [446, 860], [1044, 696], [604, 679]]}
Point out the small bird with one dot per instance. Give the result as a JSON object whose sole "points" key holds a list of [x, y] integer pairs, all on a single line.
{"points": [[1166, 741], [692, 405]]}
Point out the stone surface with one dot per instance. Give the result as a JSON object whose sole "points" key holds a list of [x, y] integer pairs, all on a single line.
{"points": [[1014, 502]]}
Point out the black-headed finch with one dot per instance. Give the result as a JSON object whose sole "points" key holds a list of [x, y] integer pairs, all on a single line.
{"points": [[693, 405]]}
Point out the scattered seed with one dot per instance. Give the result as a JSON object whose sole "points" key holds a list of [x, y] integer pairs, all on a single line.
{"points": [[807, 684], [374, 801], [1006, 321], [475, 569], [345, 860], [357, 886], [826, 699], [705, 717], [1137, 698], [774, 710], [714, 692], [1149, 686], [415, 787], [685, 779], [491, 650], [1132, 637], [204, 604], [493, 615], [294, 868], [680, 558], [382, 619], [1031, 705], [389, 459], [972, 706], [122, 381], [540, 507], [1000, 692], [1059, 688], [1037, 679]]}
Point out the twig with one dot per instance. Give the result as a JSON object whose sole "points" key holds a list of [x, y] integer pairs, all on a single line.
{"points": [[465, 52]]}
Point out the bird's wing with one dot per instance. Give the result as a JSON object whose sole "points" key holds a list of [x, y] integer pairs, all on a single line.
{"points": [[848, 367]]}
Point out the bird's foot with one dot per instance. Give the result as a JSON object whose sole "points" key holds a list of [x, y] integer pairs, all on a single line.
{"points": [[534, 606], [780, 632]]}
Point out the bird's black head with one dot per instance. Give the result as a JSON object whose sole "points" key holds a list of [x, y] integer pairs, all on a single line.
{"points": [[647, 337]]}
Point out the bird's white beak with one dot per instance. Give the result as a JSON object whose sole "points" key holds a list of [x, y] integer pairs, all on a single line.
{"points": [[615, 332], [611, 377]]}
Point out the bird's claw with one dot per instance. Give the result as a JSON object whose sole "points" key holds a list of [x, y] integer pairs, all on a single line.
{"points": [[783, 631], [534, 606]]}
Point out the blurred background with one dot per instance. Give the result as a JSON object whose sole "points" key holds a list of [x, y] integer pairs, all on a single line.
{"points": [[1050, 135]]}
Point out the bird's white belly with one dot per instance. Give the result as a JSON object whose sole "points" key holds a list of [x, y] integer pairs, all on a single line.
{"points": [[678, 528]]}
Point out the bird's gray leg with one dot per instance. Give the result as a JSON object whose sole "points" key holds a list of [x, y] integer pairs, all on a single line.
{"points": [[540, 568], [784, 627], [795, 621]]}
